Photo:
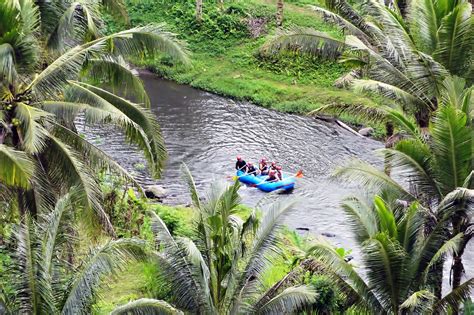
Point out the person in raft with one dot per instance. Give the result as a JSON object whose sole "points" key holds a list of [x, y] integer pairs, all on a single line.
{"points": [[278, 172], [241, 165], [272, 176], [273, 166], [263, 167], [251, 170]]}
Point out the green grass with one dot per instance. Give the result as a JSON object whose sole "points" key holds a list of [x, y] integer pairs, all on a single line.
{"points": [[225, 59]]}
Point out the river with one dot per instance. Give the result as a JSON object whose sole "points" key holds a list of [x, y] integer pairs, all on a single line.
{"points": [[207, 132]]}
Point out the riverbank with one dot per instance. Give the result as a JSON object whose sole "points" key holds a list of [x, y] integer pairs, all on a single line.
{"points": [[225, 57]]}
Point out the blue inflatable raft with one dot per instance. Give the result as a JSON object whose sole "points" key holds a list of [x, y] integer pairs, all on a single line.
{"points": [[287, 183]]}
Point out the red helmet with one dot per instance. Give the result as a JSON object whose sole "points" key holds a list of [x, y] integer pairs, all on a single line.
{"points": [[249, 164], [274, 163], [239, 158], [278, 168], [263, 160]]}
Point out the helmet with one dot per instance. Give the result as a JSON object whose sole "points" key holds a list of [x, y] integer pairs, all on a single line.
{"points": [[274, 163], [239, 158], [263, 160], [249, 164], [278, 167]]}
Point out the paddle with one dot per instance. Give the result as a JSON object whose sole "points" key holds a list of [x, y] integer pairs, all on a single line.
{"points": [[235, 177]]}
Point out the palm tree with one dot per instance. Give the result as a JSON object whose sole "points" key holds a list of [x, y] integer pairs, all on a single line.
{"points": [[45, 281], [433, 168], [405, 59], [398, 254], [198, 11], [219, 272], [279, 13], [41, 153]]}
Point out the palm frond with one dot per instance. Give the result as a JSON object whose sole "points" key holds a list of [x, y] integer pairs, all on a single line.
{"points": [[361, 218], [140, 125], [387, 90], [458, 201], [106, 261], [455, 297], [335, 18], [148, 40], [347, 12], [17, 167], [303, 40], [450, 246], [32, 132], [8, 71], [403, 122], [53, 222], [455, 39], [191, 185], [419, 301], [412, 159], [117, 76], [259, 255], [96, 158], [384, 260], [424, 24], [289, 301], [76, 23], [452, 147], [346, 273], [34, 289], [366, 112], [369, 177], [66, 170], [178, 271], [145, 307]]}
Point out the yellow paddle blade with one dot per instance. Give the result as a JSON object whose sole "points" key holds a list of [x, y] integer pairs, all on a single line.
{"points": [[235, 177]]}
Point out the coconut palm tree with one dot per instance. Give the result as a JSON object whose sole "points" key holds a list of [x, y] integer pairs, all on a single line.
{"points": [[404, 59], [66, 23], [279, 13], [45, 281], [42, 155], [432, 168], [198, 11], [219, 272], [398, 253]]}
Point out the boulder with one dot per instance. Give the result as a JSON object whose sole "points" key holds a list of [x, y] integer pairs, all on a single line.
{"points": [[155, 192], [366, 132]]}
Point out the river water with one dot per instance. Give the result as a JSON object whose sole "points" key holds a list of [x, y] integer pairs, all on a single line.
{"points": [[207, 132]]}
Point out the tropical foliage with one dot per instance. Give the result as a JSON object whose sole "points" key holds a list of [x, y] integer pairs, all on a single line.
{"points": [[219, 272], [399, 246], [434, 169], [45, 276], [41, 152], [403, 58]]}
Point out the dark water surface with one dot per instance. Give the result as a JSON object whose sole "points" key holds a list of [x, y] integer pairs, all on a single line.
{"points": [[207, 132]]}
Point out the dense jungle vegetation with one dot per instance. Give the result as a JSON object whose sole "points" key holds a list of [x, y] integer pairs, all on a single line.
{"points": [[77, 234]]}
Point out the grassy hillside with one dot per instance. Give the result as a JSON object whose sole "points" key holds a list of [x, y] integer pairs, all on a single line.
{"points": [[225, 57]]}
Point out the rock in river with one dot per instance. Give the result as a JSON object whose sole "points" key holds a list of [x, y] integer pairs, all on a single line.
{"points": [[155, 192], [366, 132]]}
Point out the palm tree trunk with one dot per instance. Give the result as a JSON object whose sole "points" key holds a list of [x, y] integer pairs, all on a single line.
{"points": [[279, 14], [220, 3], [198, 11], [403, 6]]}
